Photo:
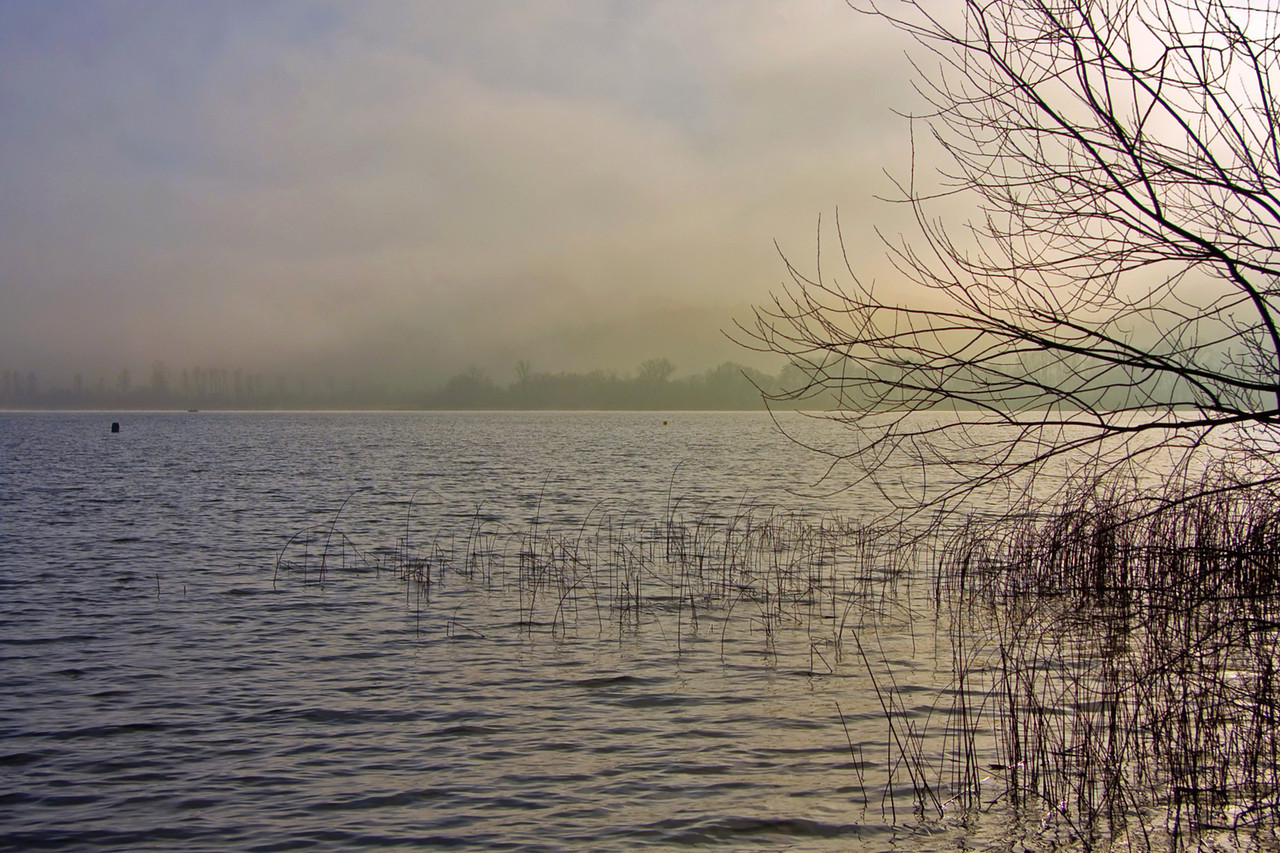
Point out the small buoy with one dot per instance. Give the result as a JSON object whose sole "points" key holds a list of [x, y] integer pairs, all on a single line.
{"points": [[664, 423], [115, 426]]}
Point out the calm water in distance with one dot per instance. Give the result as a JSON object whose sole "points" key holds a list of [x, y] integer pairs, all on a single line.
{"points": [[163, 690]]}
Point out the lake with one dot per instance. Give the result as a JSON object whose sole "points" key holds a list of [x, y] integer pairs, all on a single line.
{"points": [[169, 685]]}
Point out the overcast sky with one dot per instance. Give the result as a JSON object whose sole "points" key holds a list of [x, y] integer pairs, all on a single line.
{"points": [[404, 188]]}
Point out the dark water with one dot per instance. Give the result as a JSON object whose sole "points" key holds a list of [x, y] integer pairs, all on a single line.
{"points": [[164, 689]]}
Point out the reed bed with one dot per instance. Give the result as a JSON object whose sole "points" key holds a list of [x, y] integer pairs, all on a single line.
{"points": [[1114, 666], [1112, 662], [616, 569]]}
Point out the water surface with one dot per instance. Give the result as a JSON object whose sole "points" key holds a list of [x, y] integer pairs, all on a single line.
{"points": [[166, 688]]}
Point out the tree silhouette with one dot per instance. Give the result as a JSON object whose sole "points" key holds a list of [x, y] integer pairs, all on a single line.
{"points": [[655, 371], [1114, 293]]}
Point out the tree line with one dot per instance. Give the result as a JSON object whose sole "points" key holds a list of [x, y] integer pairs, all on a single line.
{"points": [[654, 385]]}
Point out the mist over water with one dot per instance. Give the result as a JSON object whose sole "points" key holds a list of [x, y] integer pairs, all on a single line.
{"points": [[383, 194]]}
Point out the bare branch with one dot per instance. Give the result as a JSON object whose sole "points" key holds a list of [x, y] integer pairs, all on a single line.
{"points": [[1114, 295]]}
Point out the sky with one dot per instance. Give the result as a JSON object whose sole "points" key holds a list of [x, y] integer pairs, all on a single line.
{"points": [[398, 190]]}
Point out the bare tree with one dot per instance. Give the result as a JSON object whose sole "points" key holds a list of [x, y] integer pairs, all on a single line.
{"points": [[1115, 292]]}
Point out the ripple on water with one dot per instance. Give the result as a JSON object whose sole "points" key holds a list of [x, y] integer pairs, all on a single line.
{"points": [[166, 690]]}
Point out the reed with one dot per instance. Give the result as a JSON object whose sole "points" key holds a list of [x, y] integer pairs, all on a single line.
{"points": [[1114, 666], [617, 569], [1112, 660]]}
